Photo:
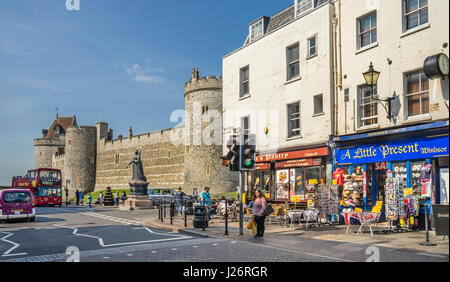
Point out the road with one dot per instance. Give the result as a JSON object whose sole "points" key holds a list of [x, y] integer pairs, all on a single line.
{"points": [[110, 235]]}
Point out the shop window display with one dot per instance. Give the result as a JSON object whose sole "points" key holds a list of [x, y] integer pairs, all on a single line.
{"points": [[282, 188], [415, 177], [400, 172]]}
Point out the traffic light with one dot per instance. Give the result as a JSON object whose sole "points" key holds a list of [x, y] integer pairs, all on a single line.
{"points": [[233, 154], [247, 152]]}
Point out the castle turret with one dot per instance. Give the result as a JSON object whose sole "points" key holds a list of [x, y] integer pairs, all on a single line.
{"points": [[80, 157], [203, 141]]}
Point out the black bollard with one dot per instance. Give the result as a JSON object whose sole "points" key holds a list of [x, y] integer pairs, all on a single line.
{"points": [[226, 217], [171, 212], [185, 214], [164, 207], [203, 217]]}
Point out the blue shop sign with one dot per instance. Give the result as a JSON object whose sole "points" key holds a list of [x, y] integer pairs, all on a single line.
{"points": [[416, 148]]}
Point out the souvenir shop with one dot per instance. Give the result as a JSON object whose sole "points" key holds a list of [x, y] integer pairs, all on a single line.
{"points": [[286, 175], [403, 168]]}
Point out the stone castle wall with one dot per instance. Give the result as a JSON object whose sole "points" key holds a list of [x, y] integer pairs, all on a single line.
{"points": [[163, 161], [80, 157]]}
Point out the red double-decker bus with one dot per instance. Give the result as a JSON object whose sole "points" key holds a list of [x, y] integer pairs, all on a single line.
{"points": [[45, 183]]}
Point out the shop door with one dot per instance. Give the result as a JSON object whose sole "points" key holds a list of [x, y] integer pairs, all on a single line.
{"points": [[381, 181], [444, 185]]}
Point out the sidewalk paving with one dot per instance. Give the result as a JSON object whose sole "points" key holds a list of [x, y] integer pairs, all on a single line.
{"points": [[293, 236]]}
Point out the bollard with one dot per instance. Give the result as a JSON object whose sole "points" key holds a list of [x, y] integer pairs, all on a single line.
{"points": [[185, 214], [171, 212], [159, 211], [203, 216], [226, 217], [164, 208]]}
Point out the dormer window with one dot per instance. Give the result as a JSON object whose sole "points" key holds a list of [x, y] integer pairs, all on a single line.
{"points": [[256, 30], [303, 6]]}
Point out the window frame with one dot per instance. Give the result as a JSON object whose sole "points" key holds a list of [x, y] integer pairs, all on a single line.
{"points": [[314, 104], [290, 63], [372, 102], [290, 119], [305, 10], [405, 15], [369, 31], [308, 46], [242, 81], [420, 92], [252, 34]]}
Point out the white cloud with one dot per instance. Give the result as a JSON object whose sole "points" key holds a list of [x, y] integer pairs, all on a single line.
{"points": [[138, 73]]}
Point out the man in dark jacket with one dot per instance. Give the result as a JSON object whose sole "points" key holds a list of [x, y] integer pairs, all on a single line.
{"points": [[179, 201]]}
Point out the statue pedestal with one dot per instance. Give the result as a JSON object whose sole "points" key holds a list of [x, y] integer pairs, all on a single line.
{"points": [[138, 198]]}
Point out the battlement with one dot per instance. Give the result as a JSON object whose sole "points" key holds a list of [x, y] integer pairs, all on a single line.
{"points": [[49, 142], [202, 83]]}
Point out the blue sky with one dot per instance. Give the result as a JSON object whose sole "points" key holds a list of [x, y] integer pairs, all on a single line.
{"points": [[124, 62]]}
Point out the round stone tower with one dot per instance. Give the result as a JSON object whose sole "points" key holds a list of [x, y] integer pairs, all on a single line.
{"points": [[80, 154], [203, 138]]}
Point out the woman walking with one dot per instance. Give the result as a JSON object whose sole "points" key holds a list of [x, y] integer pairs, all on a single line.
{"points": [[259, 206]]}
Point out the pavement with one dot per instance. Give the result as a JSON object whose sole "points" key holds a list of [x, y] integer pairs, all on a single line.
{"points": [[330, 241], [107, 234]]}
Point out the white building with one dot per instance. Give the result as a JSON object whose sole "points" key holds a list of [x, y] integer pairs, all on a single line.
{"points": [[279, 86]]}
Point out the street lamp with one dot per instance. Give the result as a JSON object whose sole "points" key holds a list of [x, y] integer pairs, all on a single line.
{"points": [[371, 76]]}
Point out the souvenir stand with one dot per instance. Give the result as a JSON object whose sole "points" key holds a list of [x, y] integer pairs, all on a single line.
{"points": [[328, 202], [396, 209]]}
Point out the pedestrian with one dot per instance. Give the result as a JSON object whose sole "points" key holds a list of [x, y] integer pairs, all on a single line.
{"points": [[100, 198], [124, 197], [89, 200], [179, 201], [205, 197], [222, 205], [81, 198], [259, 206], [195, 194], [116, 198], [77, 196]]}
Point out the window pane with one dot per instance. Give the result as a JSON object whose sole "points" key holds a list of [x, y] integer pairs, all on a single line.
{"points": [[414, 105], [365, 39], [374, 36], [364, 24], [425, 82], [318, 104], [424, 16], [293, 54], [425, 104], [423, 3], [373, 19], [412, 20], [413, 85], [411, 5], [312, 51], [312, 42]]}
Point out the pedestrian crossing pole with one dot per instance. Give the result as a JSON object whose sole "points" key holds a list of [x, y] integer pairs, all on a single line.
{"points": [[241, 206]]}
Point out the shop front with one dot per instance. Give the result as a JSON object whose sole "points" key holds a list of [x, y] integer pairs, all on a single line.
{"points": [[415, 158], [285, 176]]}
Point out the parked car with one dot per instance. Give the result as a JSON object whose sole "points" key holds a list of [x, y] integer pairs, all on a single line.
{"points": [[17, 204]]}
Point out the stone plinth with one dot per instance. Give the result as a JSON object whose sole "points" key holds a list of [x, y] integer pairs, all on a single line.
{"points": [[138, 198]]}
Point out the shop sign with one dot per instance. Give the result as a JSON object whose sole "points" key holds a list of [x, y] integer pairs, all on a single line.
{"points": [[293, 155], [416, 148], [440, 219], [295, 198], [381, 166], [262, 166], [294, 163]]}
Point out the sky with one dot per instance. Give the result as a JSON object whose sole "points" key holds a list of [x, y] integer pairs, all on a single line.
{"points": [[124, 62]]}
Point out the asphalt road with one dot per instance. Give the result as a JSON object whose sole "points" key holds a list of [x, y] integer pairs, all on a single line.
{"points": [[110, 235]]}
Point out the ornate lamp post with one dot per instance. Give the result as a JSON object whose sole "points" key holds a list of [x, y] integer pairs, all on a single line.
{"points": [[371, 76]]}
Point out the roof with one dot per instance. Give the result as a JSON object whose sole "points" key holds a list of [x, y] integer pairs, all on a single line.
{"points": [[281, 18], [63, 123]]}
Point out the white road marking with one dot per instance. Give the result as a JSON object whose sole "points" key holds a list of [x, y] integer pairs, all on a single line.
{"points": [[102, 244], [214, 244], [153, 252], [15, 245], [432, 255], [174, 249], [111, 218]]}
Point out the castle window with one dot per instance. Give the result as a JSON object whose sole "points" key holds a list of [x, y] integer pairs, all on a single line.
{"points": [[205, 109], [208, 170], [69, 142], [117, 159], [169, 154], [188, 149]]}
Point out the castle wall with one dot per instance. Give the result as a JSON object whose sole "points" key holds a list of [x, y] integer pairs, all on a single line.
{"points": [[80, 155], [162, 159]]}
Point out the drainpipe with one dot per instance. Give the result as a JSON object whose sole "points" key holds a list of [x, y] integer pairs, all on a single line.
{"points": [[340, 45], [334, 111]]}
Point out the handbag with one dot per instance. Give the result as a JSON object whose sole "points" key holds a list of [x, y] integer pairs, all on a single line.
{"points": [[269, 210], [250, 224]]}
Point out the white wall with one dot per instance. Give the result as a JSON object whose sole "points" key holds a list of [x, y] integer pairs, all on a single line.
{"points": [[407, 53], [269, 90]]}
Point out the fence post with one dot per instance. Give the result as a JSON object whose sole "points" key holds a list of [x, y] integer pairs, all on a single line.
{"points": [[226, 217], [185, 214], [171, 212], [203, 216]]}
